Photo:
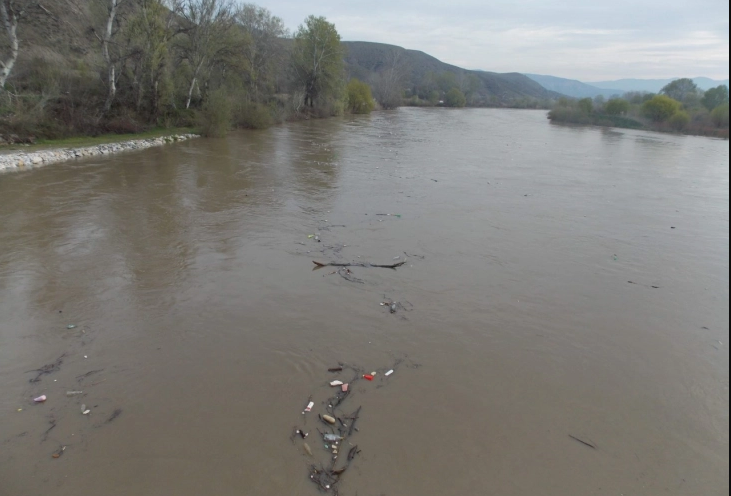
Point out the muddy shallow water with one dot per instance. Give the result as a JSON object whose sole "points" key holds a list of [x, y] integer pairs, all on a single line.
{"points": [[559, 282]]}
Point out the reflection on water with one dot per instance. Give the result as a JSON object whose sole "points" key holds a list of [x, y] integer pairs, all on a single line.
{"points": [[187, 273]]}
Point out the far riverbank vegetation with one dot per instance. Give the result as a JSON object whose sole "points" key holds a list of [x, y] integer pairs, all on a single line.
{"points": [[680, 107]]}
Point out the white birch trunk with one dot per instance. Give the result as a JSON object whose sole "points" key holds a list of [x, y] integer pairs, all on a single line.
{"points": [[111, 71], [10, 23]]}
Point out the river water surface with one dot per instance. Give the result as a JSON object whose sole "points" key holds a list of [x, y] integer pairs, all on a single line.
{"points": [[561, 283]]}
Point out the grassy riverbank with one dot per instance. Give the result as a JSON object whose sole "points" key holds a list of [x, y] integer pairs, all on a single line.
{"points": [[84, 141]]}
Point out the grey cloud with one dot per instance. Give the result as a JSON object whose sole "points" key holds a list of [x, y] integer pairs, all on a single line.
{"points": [[572, 38]]}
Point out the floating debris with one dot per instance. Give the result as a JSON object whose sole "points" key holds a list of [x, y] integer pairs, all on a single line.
{"points": [[40, 399], [585, 443], [337, 434], [81, 377], [48, 369], [116, 413]]}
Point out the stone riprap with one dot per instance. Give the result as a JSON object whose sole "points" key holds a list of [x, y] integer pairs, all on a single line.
{"points": [[30, 160]]}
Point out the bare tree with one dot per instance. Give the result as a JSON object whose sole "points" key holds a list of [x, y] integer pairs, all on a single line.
{"points": [[106, 13], [10, 11], [265, 50], [208, 24], [149, 33], [106, 40], [388, 85]]}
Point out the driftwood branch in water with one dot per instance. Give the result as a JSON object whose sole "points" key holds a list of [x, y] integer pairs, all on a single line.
{"points": [[357, 264], [585, 443]]}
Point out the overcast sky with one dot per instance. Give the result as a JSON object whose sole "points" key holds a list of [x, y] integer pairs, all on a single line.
{"points": [[577, 39]]}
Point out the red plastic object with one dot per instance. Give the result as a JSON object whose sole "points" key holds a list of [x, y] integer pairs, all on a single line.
{"points": [[368, 377]]}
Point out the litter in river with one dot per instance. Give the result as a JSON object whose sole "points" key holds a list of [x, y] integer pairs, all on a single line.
{"points": [[40, 399], [338, 451]]}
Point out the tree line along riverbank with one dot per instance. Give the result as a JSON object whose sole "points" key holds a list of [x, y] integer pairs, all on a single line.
{"points": [[680, 107], [87, 68]]}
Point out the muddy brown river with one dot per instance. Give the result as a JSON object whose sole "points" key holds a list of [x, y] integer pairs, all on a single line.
{"points": [[561, 324]]}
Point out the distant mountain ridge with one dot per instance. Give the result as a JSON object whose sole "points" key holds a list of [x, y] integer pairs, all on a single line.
{"points": [[608, 89], [655, 85], [573, 87]]}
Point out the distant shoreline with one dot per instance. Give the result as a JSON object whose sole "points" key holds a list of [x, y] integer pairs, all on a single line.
{"points": [[18, 161], [629, 123]]}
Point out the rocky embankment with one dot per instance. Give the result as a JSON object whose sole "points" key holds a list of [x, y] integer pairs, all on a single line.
{"points": [[29, 160]]}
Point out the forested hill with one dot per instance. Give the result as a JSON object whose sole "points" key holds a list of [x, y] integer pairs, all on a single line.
{"points": [[424, 74]]}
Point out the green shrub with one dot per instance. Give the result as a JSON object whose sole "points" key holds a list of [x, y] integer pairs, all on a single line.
{"points": [[455, 98], [715, 97], [720, 115], [586, 105], [360, 98], [660, 108], [434, 97], [617, 121], [564, 102], [216, 116], [679, 120], [569, 114], [327, 107], [617, 106], [253, 116]]}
